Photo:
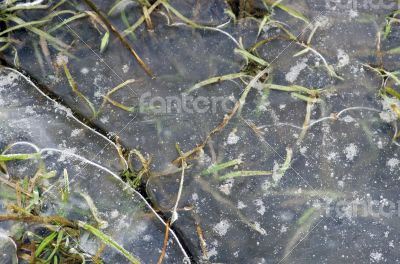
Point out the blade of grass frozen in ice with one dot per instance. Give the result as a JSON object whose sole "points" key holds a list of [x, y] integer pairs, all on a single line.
{"points": [[292, 88], [306, 122], [67, 21], [121, 38], [221, 166], [60, 236], [147, 18], [39, 32], [45, 242], [262, 24], [216, 79], [292, 12], [392, 92], [12, 157], [18, 8], [302, 52], [132, 28], [93, 209], [312, 34], [104, 41], [118, 5], [75, 89], [107, 97], [179, 15], [305, 98], [23, 25], [248, 56], [108, 240], [394, 51], [236, 174], [328, 67], [65, 191], [119, 105]]}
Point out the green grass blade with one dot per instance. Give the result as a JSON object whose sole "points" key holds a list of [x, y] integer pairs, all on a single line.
{"points": [[40, 32], [45, 242], [58, 243], [236, 174], [76, 91], [18, 8], [104, 41], [392, 92], [108, 241], [293, 13], [23, 25], [248, 56], [218, 167], [11, 157], [67, 21], [216, 80]]}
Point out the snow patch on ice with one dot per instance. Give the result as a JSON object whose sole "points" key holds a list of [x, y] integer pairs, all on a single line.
{"points": [[295, 71]]}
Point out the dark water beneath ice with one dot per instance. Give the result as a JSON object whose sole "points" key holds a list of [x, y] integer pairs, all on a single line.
{"points": [[338, 199]]}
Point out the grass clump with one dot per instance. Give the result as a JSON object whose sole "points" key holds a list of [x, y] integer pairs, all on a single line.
{"points": [[48, 238]]}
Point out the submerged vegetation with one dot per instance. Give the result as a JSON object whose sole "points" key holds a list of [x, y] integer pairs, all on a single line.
{"points": [[50, 238], [220, 156]]}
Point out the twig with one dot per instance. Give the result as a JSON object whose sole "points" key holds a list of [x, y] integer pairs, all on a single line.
{"points": [[174, 216], [164, 249], [93, 6]]}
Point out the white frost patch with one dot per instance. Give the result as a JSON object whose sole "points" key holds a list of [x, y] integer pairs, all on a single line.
{"points": [[343, 58], [332, 156], [8, 80], [340, 184], [125, 68], [353, 13], [76, 132], [261, 207], [376, 256], [84, 71], [241, 205], [348, 119], [61, 60], [233, 138], [259, 229], [351, 152], [295, 71], [212, 252], [104, 119], [303, 150], [276, 175], [388, 115], [392, 163], [114, 214], [29, 110], [227, 186], [222, 227]]}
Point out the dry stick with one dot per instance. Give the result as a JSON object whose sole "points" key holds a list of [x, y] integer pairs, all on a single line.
{"points": [[174, 216], [13, 185], [96, 258], [203, 244], [146, 68], [141, 19], [164, 249], [49, 220], [306, 123]]}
